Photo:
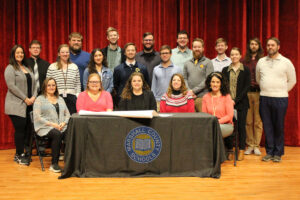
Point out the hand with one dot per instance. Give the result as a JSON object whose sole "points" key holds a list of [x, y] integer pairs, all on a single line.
{"points": [[28, 102], [62, 125], [233, 102], [56, 126], [190, 92], [32, 99]]}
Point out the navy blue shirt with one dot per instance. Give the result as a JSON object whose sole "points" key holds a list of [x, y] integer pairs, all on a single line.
{"points": [[81, 60]]}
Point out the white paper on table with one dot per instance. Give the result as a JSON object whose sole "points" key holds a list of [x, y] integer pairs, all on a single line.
{"points": [[130, 114]]}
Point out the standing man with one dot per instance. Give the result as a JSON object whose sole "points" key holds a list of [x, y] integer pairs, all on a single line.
{"points": [[221, 60], [124, 70], [38, 65], [148, 57], [181, 53], [163, 73], [114, 54], [253, 123], [77, 55], [276, 76], [195, 72]]}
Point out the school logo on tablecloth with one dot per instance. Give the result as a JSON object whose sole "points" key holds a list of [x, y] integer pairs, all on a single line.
{"points": [[143, 144]]}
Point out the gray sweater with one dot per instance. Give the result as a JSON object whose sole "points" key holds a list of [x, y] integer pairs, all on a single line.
{"points": [[195, 75], [17, 91]]}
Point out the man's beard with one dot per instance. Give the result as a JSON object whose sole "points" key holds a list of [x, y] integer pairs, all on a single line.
{"points": [[197, 55], [75, 51], [272, 54], [148, 48], [253, 51]]}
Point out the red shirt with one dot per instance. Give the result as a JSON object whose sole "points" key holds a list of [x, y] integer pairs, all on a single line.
{"points": [[177, 103], [104, 102]]}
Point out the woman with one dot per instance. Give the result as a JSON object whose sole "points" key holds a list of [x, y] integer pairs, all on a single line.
{"points": [[177, 98], [239, 84], [20, 96], [66, 75], [218, 102], [136, 94], [98, 64], [94, 98], [50, 117]]}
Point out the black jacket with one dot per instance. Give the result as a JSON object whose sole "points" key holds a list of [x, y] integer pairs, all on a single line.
{"points": [[243, 85]]}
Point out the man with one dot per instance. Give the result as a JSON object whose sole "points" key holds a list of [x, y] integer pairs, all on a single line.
{"points": [[276, 76], [77, 55], [181, 53], [38, 65], [221, 60], [162, 74], [253, 122], [148, 57], [195, 72], [114, 54], [124, 70]]}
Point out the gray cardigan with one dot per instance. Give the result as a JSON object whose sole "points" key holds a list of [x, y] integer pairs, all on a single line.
{"points": [[17, 91], [44, 112]]}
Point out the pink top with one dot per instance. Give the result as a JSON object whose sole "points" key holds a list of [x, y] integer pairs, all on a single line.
{"points": [[104, 102], [221, 107]]}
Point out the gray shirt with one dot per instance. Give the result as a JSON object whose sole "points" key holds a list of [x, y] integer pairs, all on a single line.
{"points": [[195, 74], [178, 58], [113, 57], [220, 64], [161, 79]]}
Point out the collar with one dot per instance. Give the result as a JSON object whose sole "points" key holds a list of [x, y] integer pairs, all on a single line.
{"points": [[160, 65], [117, 49], [75, 54], [277, 58], [128, 64], [186, 51], [199, 60], [148, 54], [225, 59], [231, 67]]}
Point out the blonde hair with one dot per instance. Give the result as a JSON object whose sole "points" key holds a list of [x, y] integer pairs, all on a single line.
{"points": [[59, 65], [110, 29]]}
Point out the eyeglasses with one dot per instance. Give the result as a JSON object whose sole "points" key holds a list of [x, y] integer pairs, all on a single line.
{"points": [[148, 40], [165, 53], [94, 82]]}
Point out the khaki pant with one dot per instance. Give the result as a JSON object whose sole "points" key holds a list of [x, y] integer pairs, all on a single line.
{"points": [[253, 122], [198, 104], [158, 106]]}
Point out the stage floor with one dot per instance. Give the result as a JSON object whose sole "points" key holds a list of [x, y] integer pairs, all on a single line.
{"points": [[251, 179]]}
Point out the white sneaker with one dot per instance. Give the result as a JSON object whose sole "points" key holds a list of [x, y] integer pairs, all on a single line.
{"points": [[248, 151], [257, 151]]}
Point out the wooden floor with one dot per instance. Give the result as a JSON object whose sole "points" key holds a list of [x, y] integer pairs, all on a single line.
{"points": [[251, 179]]}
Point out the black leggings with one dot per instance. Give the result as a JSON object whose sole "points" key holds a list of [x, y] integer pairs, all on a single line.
{"points": [[56, 138], [70, 101], [21, 125]]}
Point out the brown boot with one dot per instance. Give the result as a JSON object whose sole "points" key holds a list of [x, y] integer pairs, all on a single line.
{"points": [[230, 156], [241, 155]]}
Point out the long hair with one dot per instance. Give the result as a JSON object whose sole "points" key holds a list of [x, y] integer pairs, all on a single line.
{"points": [[260, 51], [59, 65], [183, 88], [127, 91], [12, 58], [45, 84], [224, 83], [89, 78], [92, 64]]}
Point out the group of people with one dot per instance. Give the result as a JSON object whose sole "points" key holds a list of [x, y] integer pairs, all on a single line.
{"points": [[171, 80]]}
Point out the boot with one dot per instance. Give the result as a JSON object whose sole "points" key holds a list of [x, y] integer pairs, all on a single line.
{"points": [[241, 155]]}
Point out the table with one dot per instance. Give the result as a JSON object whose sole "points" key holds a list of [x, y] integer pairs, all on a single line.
{"points": [[191, 145]]}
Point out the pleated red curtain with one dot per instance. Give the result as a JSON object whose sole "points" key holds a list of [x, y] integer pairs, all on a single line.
{"points": [[51, 21]]}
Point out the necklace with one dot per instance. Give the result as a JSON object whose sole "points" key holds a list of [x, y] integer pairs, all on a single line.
{"points": [[214, 106]]}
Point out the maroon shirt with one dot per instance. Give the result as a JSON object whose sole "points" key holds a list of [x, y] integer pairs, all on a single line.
{"points": [[252, 67]]}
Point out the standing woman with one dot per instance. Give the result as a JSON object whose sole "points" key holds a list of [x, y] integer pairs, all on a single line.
{"points": [[137, 95], [19, 99], [98, 64], [239, 84], [177, 98], [66, 75]]}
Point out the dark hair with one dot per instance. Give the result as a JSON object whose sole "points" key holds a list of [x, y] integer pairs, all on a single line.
{"points": [[44, 87], [90, 76], [12, 58], [164, 47], [224, 83], [260, 51], [59, 66], [183, 88], [274, 39], [35, 42], [92, 64], [183, 32], [129, 44], [127, 91], [147, 33]]}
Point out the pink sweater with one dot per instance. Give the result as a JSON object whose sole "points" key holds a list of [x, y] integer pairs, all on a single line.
{"points": [[104, 102], [221, 107]]}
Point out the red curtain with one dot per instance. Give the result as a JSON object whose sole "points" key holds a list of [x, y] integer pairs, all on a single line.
{"points": [[51, 21]]}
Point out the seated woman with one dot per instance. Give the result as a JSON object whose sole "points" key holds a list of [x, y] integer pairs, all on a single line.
{"points": [[137, 95], [50, 117], [177, 98], [94, 98], [218, 102]]}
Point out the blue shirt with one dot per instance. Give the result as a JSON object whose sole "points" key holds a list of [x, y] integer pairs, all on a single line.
{"points": [[106, 77], [81, 60], [161, 79], [178, 58]]}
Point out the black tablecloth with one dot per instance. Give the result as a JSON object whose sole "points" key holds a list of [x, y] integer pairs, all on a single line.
{"points": [[192, 145]]}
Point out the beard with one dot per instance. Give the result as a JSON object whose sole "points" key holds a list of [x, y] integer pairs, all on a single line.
{"points": [[148, 48], [271, 53], [197, 55], [253, 51], [75, 51]]}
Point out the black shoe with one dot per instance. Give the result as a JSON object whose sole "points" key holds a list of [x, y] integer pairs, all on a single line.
{"points": [[55, 168], [21, 159]]}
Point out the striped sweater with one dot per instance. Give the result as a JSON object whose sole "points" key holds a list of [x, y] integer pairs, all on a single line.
{"points": [[177, 103], [71, 75]]}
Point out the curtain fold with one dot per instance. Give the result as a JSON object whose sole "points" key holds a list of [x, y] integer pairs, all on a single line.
{"points": [[237, 21]]}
